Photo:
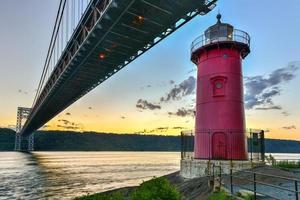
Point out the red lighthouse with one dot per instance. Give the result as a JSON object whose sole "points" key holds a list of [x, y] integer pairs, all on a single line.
{"points": [[220, 120]]}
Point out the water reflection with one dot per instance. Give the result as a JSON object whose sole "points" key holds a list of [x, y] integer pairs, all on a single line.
{"points": [[20, 176], [64, 175]]}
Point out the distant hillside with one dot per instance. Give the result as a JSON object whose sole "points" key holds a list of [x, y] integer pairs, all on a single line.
{"points": [[7, 139], [91, 141]]}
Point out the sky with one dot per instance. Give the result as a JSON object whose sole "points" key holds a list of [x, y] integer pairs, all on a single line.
{"points": [[155, 94]]}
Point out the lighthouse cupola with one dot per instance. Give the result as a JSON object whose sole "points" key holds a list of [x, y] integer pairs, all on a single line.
{"points": [[219, 32]]}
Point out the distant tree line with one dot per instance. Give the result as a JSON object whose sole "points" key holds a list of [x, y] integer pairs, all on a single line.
{"points": [[92, 141]]}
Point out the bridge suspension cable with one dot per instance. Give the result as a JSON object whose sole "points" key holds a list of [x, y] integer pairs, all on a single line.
{"points": [[68, 15], [50, 48]]}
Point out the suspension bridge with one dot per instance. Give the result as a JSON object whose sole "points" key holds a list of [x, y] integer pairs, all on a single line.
{"points": [[91, 41]]}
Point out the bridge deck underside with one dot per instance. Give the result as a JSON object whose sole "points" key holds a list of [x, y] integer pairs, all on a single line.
{"points": [[125, 30]]}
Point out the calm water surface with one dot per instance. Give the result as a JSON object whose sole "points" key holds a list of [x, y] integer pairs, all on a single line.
{"points": [[65, 175]]}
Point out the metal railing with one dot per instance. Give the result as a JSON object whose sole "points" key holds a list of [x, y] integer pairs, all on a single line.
{"points": [[236, 36], [258, 182], [254, 140], [187, 144]]}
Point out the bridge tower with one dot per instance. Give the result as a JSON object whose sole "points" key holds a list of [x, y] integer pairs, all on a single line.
{"points": [[22, 114]]}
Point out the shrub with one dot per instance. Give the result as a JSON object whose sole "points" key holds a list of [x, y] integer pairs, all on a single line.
{"points": [[156, 189], [270, 160], [288, 164]]}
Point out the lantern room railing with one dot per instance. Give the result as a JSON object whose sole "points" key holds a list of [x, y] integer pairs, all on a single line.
{"points": [[236, 36]]}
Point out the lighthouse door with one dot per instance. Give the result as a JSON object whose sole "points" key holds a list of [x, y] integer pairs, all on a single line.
{"points": [[219, 146]]}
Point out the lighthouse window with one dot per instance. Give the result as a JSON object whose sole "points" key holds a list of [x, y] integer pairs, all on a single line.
{"points": [[225, 55], [219, 85]]}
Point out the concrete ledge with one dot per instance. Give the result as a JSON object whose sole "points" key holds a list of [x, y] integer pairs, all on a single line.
{"points": [[193, 168]]}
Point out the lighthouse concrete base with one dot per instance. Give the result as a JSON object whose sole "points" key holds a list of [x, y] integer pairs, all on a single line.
{"points": [[193, 168]]}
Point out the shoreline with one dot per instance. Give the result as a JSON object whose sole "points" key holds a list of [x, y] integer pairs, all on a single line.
{"points": [[198, 188]]}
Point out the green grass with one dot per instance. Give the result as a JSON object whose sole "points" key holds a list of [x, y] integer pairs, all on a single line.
{"points": [[283, 163], [249, 197], [222, 195], [287, 164], [114, 196], [156, 189]]}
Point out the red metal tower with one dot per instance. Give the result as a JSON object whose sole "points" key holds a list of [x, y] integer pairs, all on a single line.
{"points": [[220, 120]]}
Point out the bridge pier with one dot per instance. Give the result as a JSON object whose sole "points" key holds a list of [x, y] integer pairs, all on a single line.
{"points": [[18, 142], [23, 143]]}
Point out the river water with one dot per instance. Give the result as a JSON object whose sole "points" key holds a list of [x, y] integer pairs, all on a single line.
{"points": [[65, 175]]}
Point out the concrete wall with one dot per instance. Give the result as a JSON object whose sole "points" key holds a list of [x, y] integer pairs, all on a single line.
{"points": [[193, 168]]}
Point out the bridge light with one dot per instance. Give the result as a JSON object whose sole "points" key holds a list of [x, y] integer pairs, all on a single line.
{"points": [[102, 56], [139, 20]]}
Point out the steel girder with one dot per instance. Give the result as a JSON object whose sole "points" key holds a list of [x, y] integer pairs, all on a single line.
{"points": [[121, 31]]}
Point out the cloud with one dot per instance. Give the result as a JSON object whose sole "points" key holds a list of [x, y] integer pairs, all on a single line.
{"points": [[158, 129], [64, 121], [178, 127], [161, 128], [68, 113], [269, 108], [155, 130], [144, 105], [185, 88], [182, 112], [45, 126], [193, 70], [22, 92], [66, 124], [147, 86], [70, 127], [284, 113], [289, 127], [260, 89]]}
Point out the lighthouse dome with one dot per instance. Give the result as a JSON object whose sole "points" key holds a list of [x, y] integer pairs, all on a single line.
{"points": [[219, 31]]}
